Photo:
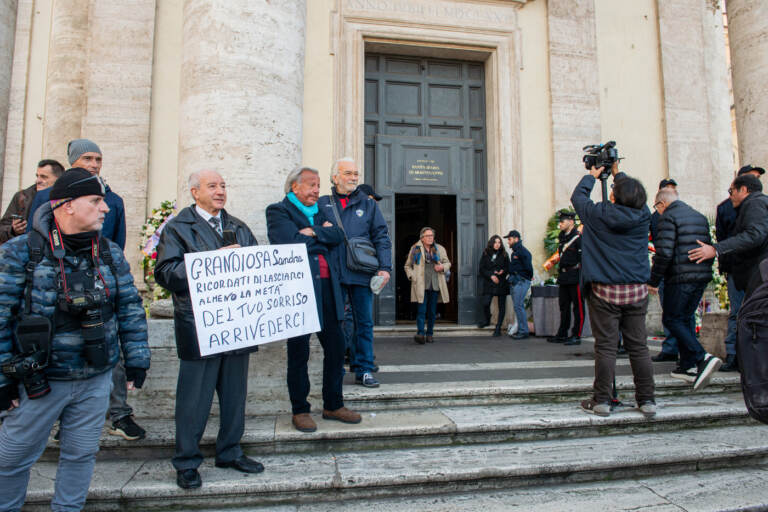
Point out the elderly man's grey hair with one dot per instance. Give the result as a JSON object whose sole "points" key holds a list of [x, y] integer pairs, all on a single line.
{"points": [[335, 166], [295, 176], [667, 196], [194, 179]]}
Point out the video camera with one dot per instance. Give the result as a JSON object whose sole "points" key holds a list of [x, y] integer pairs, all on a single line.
{"points": [[601, 155]]}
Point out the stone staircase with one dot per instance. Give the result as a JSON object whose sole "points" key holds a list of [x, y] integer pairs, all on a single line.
{"points": [[458, 446]]}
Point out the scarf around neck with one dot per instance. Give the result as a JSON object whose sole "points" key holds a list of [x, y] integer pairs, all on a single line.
{"points": [[308, 211]]}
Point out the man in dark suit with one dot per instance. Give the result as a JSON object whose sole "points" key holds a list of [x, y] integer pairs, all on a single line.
{"points": [[197, 228], [297, 219]]}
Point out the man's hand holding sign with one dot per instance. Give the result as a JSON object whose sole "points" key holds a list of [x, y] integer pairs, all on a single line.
{"points": [[246, 296]]}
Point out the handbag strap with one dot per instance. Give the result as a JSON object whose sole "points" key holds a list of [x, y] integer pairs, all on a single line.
{"points": [[336, 214]]}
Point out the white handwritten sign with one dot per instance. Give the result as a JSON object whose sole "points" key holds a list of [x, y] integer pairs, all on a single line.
{"points": [[251, 295]]}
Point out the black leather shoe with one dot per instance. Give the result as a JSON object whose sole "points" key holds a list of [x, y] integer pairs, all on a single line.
{"points": [[244, 464], [557, 339], [188, 478], [664, 356], [730, 364], [573, 340]]}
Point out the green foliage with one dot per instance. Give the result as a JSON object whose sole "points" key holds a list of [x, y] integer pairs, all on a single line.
{"points": [[551, 241]]}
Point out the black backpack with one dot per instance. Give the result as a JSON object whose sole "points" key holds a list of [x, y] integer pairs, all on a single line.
{"points": [[752, 348]]}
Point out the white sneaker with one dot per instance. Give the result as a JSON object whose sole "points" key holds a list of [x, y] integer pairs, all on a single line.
{"points": [[688, 375], [706, 368]]}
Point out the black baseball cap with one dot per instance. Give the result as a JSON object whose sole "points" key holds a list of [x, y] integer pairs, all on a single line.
{"points": [[368, 190], [668, 181], [747, 168], [513, 233]]}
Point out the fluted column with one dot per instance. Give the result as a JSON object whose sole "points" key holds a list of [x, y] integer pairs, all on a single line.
{"points": [[65, 96], [7, 35], [748, 33], [241, 98]]}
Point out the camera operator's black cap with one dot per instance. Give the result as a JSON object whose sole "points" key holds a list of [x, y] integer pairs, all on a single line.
{"points": [[514, 233], [74, 183], [567, 215], [368, 190], [668, 181], [747, 168]]}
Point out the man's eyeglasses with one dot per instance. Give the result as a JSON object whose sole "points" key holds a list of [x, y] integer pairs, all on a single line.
{"points": [[731, 190], [656, 205]]}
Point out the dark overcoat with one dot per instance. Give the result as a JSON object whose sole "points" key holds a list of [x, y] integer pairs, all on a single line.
{"points": [[188, 232], [284, 221]]}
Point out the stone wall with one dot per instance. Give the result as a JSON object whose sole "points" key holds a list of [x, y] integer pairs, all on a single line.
{"points": [[7, 36]]}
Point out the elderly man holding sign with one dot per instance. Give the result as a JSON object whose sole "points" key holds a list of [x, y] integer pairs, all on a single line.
{"points": [[297, 219], [204, 226]]}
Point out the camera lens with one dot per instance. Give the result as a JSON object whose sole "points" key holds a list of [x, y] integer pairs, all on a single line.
{"points": [[95, 345]]}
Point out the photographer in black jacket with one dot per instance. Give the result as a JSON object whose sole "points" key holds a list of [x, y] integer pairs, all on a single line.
{"points": [[679, 229]]}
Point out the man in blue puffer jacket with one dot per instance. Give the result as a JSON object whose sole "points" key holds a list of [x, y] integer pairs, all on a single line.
{"points": [[66, 236], [360, 217]]}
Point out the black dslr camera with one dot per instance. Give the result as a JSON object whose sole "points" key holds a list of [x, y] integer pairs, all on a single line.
{"points": [[85, 302], [601, 155], [34, 338]]}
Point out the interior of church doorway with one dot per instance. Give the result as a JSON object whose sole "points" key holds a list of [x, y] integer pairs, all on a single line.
{"points": [[413, 212]]}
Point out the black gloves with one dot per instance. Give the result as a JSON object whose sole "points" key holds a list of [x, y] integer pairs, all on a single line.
{"points": [[8, 393], [137, 375]]}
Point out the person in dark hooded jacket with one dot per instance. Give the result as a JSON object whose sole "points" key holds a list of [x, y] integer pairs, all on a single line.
{"points": [[493, 270], [680, 227], [615, 268]]}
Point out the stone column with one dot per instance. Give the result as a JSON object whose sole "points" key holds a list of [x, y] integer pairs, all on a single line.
{"points": [[574, 87], [696, 110], [241, 99], [117, 106], [748, 34], [67, 73], [7, 35]]}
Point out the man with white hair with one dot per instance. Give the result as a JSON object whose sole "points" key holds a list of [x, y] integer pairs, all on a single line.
{"points": [[204, 226], [360, 218]]}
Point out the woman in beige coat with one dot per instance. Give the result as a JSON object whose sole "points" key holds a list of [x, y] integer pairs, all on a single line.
{"points": [[426, 267]]}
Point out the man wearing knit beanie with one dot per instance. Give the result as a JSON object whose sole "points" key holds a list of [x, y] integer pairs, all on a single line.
{"points": [[61, 274], [86, 154]]}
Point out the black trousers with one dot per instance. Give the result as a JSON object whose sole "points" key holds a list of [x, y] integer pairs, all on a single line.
{"points": [[502, 303], [332, 340], [228, 376], [570, 298]]}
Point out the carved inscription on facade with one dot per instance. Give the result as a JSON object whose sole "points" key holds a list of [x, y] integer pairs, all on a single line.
{"points": [[427, 11]]}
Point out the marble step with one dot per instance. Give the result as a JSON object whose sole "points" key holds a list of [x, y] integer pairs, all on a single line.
{"points": [[513, 391], [326, 478], [698, 491], [439, 426]]}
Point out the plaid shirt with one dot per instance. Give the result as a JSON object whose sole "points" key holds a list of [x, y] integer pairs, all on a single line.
{"points": [[620, 294]]}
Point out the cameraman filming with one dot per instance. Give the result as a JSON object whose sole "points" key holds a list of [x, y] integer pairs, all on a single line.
{"points": [[66, 295], [615, 270]]}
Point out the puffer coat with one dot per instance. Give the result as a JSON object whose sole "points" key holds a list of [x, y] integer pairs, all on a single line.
{"points": [[126, 329], [680, 226]]}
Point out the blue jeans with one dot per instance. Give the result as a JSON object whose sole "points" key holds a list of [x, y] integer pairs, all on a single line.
{"points": [[680, 302], [427, 308], [80, 405], [361, 299], [736, 297], [518, 292]]}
